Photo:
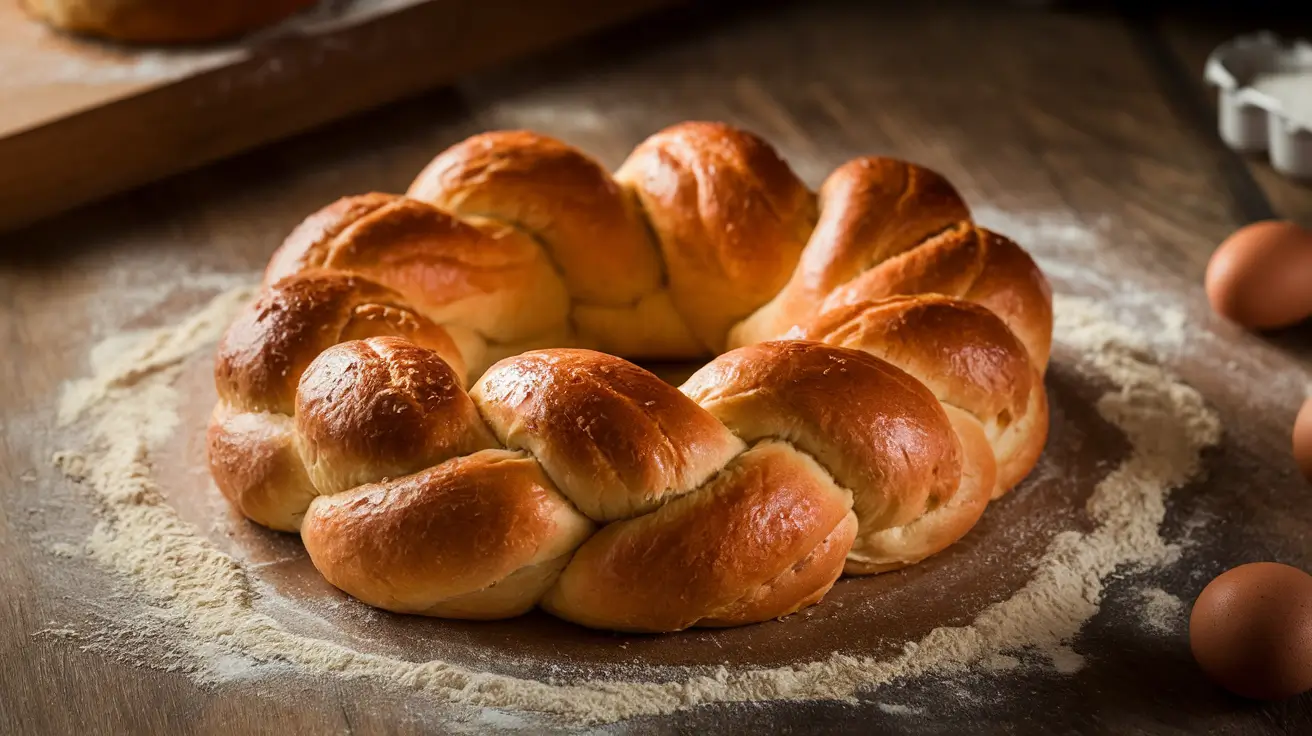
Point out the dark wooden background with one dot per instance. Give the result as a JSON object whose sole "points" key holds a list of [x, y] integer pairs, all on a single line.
{"points": [[1095, 114]]}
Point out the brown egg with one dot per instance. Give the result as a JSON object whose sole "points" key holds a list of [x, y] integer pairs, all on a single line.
{"points": [[1251, 630], [1303, 439], [1261, 276]]}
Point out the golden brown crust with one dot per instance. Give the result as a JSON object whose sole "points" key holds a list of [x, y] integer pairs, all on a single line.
{"points": [[702, 553], [1013, 287], [268, 346], [943, 522], [962, 352], [876, 208], [1018, 448], [973, 264], [801, 585], [415, 543], [731, 217], [254, 454], [382, 407], [255, 464], [615, 438], [310, 243], [472, 274], [878, 431], [559, 195], [910, 392], [871, 209], [162, 21]]}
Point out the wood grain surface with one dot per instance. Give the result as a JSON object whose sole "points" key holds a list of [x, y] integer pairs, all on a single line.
{"points": [[1050, 122], [66, 141]]}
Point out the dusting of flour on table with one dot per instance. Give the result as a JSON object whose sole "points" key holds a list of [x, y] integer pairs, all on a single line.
{"points": [[203, 600], [897, 709], [1163, 613]]}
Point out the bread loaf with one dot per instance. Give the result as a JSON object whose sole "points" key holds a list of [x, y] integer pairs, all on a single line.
{"points": [[161, 21], [429, 387]]}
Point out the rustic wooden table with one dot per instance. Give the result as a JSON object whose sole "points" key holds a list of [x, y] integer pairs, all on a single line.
{"points": [[1093, 121]]}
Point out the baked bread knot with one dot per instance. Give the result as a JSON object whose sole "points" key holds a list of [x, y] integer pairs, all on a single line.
{"points": [[428, 387], [162, 21]]}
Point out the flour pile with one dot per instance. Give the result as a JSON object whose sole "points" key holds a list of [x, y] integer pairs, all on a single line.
{"points": [[1163, 613], [203, 599]]}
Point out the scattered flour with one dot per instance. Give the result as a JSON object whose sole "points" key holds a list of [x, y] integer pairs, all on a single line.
{"points": [[124, 361], [895, 709], [203, 600], [1065, 660], [1001, 663], [64, 549], [1067, 248], [1072, 251], [57, 633], [1163, 613]]}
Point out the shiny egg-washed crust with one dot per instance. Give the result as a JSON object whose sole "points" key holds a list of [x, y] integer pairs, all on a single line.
{"points": [[162, 21], [427, 388]]}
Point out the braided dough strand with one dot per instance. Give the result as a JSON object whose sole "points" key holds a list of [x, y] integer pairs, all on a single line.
{"points": [[907, 390]]}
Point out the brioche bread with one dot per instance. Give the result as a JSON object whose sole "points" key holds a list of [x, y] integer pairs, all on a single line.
{"points": [[428, 386]]}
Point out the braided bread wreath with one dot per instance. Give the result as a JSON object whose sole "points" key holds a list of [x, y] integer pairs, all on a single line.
{"points": [[907, 391]]}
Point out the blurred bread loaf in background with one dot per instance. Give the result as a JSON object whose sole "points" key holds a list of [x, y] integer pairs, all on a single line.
{"points": [[161, 21]]}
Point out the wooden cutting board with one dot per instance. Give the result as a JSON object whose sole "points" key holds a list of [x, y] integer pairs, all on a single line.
{"points": [[81, 119]]}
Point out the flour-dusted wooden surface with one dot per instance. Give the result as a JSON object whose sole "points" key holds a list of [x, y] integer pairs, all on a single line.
{"points": [[1050, 123], [81, 119]]}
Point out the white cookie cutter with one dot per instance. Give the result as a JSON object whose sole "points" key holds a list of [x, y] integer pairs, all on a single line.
{"points": [[1265, 99]]}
